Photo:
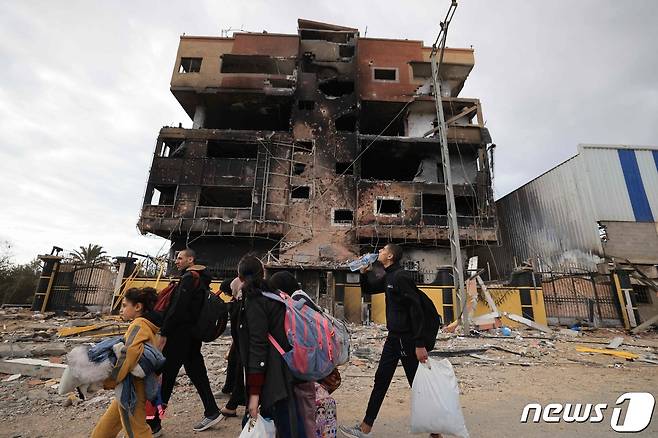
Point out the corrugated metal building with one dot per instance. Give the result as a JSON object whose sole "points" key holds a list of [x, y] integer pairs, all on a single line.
{"points": [[603, 202]]}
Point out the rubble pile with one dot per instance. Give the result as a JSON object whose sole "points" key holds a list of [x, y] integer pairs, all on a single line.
{"points": [[33, 349]]}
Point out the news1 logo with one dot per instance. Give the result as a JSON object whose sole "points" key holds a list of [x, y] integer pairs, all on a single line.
{"points": [[638, 413]]}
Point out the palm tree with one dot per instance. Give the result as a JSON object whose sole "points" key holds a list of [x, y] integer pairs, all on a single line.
{"points": [[92, 254]]}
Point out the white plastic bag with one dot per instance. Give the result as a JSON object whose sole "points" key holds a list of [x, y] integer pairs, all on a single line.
{"points": [[261, 428], [435, 404]]}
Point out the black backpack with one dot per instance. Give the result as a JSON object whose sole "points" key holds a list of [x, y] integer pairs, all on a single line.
{"points": [[213, 316], [431, 320]]}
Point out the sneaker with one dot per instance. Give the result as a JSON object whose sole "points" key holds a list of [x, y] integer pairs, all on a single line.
{"points": [[156, 428], [354, 432], [156, 431], [208, 422]]}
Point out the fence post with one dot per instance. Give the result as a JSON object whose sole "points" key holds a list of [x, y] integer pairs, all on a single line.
{"points": [[598, 303], [45, 283]]}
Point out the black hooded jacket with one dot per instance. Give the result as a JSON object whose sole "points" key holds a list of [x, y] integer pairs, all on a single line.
{"points": [[266, 372], [186, 302], [404, 314]]}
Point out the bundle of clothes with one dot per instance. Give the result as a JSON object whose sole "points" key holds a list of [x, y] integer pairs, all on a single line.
{"points": [[90, 366]]}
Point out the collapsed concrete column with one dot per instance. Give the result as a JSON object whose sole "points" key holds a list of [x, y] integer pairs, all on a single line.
{"points": [[199, 117]]}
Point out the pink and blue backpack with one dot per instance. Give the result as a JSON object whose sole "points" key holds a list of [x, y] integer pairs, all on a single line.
{"points": [[319, 342]]}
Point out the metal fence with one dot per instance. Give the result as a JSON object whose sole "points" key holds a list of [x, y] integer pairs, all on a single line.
{"points": [[586, 297], [81, 287]]}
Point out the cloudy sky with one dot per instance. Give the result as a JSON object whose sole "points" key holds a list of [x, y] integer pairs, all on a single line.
{"points": [[84, 89]]}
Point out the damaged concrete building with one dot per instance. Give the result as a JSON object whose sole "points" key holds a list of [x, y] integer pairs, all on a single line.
{"points": [[312, 148]]}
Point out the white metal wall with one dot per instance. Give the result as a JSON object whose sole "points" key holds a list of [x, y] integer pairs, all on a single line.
{"points": [[607, 186], [554, 217]]}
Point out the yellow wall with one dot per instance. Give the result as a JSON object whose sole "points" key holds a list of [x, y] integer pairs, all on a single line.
{"points": [[159, 285], [510, 301]]}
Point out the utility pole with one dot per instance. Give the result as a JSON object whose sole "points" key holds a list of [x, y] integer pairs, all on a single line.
{"points": [[453, 229]]}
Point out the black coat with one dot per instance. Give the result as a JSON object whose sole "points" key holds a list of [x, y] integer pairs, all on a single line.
{"points": [[258, 317], [185, 305], [404, 314]]}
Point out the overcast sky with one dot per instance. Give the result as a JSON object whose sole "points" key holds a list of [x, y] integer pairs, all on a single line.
{"points": [[84, 89]]}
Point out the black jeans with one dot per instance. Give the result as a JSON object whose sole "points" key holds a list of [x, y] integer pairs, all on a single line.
{"points": [[395, 349], [185, 350], [238, 394]]}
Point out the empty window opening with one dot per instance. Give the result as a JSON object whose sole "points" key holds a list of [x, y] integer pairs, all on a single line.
{"points": [[336, 88], [384, 118], [165, 150], [421, 70], [346, 123], [389, 206], [344, 168], [328, 35], [385, 74], [235, 197], [300, 192], [434, 205], [345, 51], [231, 149], [172, 147], [268, 114], [343, 216], [306, 105], [163, 195], [262, 64], [304, 146], [298, 168], [465, 206], [190, 65]]}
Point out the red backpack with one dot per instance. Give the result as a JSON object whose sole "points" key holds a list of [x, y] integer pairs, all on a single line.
{"points": [[164, 297]]}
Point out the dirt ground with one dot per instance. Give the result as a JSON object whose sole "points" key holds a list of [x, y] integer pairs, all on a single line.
{"points": [[495, 385]]}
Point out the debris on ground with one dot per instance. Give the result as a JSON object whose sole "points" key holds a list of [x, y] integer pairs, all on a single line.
{"points": [[33, 349]]}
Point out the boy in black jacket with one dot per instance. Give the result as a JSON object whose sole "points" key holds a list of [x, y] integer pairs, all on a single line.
{"points": [[404, 321]]}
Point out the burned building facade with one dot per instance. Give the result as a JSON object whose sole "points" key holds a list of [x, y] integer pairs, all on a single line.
{"points": [[313, 148]]}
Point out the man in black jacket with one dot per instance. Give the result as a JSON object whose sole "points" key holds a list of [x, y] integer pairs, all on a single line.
{"points": [[182, 347], [404, 321]]}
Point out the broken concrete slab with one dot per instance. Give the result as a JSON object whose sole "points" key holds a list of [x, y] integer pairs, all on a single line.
{"points": [[31, 349], [615, 343], [645, 325], [528, 322], [32, 367]]}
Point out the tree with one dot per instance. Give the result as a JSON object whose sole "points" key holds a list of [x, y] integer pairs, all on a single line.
{"points": [[92, 254], [17, 286]]}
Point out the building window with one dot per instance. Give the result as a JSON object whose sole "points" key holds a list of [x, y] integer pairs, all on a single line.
{"points": [[304, 146], [300, 192], [230, 149], [346, 123], [306, 105], [172, 148], [388, 207], [385, 74], [232, 197], [336, 88], [342, 216], [344, 168], [190, 65], [163, 195]]}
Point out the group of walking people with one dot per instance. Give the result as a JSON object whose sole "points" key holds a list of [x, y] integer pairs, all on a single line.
{"points": [[258, 377]]}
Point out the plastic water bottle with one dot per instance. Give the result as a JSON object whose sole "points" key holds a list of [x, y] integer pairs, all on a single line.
{"points": [[365, 260]]}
